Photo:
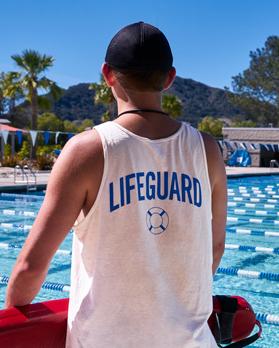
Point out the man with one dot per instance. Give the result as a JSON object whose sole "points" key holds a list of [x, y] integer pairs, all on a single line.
{"points": [[149, 193]]}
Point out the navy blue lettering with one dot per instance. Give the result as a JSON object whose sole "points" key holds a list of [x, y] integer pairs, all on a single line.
{"points": [[197, 192], [165, 185], [150, 189], [140, 185], [122, 194], [129, 187], [186, 186], [155, 185], [174, 187], [111, 198]]}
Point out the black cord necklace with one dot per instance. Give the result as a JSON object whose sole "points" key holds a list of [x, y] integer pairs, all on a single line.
{"points": [[138, 111]]}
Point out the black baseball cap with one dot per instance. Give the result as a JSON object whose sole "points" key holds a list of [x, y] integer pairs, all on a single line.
{"points": [[139, 47]]}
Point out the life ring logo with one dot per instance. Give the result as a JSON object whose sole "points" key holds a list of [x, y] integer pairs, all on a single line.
{"points": [[157, 220]]}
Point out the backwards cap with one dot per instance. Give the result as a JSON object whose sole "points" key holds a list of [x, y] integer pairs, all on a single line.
{"points": [[140, 47]]}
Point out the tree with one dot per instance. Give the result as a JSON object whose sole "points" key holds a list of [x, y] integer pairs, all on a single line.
{"points": [[172, 105], [49, 121], [2, 98], [85, 124], [103, 95], [33, 66], [211, 126], [70, 127], [246, 123], [10, 91], [257, 88]]}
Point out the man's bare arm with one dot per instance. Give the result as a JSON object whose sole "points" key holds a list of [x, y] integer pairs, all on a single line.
{"points": [[218, 180], [67, 193]]}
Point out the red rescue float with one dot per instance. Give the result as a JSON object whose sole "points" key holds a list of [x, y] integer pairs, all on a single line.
{"points": [[44, 324]]}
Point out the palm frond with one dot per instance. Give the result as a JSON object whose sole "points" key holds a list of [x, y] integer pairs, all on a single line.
{"points": [[10, 84], [20, 61], [50, 85], [33, 62]]}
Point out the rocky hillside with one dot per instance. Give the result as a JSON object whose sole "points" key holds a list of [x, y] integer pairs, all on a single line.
{"points": [[199, 100]]}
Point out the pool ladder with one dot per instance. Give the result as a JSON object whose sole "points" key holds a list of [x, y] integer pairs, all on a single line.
{"points": [[274, 163], [25, 175]]}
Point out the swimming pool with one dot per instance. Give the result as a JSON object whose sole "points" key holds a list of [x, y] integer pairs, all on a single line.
{"points": [[249, 267]]}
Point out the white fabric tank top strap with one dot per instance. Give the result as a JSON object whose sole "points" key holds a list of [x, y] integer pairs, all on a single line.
{"points": [[145, 139]]}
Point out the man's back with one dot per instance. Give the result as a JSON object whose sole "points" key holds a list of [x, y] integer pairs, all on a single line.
{"points": [[141, 271], [142, 257]]}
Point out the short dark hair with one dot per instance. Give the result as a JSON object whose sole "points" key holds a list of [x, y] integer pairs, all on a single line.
{"points": [[142, 81]]}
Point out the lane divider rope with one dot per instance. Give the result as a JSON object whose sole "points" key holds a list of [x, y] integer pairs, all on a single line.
{"points": [[231, 271], [268, 318], [17, 212], [7, 194], [251, 205], [252, 248], [251, 220], [45, 285], [252, 232], [19, 246]]}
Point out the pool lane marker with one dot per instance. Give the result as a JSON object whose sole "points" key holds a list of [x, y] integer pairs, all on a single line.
{"points": [[251, 205], [252, 232], [234, 195], [19, 246], [231, 271], [252, 248], [251, 220], [22, 196], [268, 318], [257, 200], [45, 285], [9, 225], [17, 212]]}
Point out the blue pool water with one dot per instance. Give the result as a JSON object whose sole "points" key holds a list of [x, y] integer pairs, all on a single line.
{"points": [[252, 227]]}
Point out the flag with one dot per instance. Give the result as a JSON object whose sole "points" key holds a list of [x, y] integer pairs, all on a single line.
{"points": [[5, 134], [19, 136], [46, 137], [33, 136]]}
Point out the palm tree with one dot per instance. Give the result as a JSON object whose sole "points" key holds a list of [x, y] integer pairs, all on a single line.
{"points": [[2, 98], [32, 80], [103, 95], [11, 90], [172, 105]]}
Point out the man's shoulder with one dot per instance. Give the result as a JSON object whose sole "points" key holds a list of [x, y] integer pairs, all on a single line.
{"points": [[215, 162], [83, 150], [85, 143]]}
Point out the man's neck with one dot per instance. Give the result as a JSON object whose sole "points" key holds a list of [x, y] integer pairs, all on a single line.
{"points": [[139, 100]]}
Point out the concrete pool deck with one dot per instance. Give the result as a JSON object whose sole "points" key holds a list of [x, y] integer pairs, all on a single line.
{"points": [[7, 176]]}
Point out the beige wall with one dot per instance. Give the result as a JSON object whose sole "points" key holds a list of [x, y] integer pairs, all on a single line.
{"points": [[253, 135], [256, 135]]}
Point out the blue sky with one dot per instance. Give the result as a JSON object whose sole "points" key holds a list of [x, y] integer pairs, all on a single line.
{"points": [[210, 39]]}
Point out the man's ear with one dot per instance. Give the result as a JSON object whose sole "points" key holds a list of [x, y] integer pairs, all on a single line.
{"points": [[108, 75], [170, 78]]}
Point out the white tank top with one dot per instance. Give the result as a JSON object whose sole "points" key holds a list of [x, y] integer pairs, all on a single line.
{"points": [[141, 272]]}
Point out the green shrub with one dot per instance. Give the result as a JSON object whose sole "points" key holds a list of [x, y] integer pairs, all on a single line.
{"points": [[47, 149], [44, 162], [24, 152], [9, 161], [7, 150]]}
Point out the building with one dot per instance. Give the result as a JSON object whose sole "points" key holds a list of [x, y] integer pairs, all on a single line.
{"points": [[261, 143]]}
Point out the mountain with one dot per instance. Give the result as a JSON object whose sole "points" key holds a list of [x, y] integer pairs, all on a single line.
{"points": [[199, 100], [77, 103]]}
